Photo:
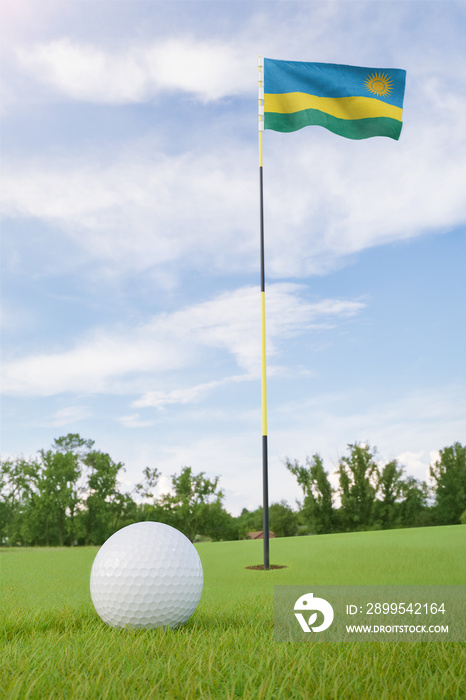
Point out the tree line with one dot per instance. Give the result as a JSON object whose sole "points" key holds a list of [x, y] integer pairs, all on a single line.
{"points": [[70, 495]]}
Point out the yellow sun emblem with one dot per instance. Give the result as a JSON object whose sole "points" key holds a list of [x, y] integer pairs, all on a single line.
{"points": [[380, 84]]}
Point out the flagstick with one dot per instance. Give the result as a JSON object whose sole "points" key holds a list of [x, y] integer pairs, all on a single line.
{"points": [[265, 477]]}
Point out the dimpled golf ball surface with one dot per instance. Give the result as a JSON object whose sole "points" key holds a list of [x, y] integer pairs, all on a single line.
{"points": [[146, 575]]}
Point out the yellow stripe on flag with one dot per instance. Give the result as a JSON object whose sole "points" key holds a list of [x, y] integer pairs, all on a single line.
{"points": [[341, 107]]}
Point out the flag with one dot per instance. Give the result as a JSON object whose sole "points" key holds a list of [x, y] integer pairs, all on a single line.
{"points": [[351, 101]]}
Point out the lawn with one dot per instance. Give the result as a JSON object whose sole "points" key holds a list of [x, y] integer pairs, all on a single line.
{"points": [[55, 646]]}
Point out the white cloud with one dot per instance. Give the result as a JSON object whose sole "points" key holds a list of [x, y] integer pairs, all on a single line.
{"points": [[210, 63], [414, 462], [325, 198], [134, 421], [209, 70], [139, 212], [92, 364], [335, 198], [68, 416], [169, 342], [185, 395]]}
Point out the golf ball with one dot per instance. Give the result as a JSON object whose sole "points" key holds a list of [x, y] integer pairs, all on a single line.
{"points": [[146, 575]]}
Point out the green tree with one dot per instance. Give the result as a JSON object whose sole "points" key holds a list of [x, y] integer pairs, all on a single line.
{"points": [[18, 488], [449, 475], [220, 525], [103, 500], [250, 521], [318, 511], [60, 488], [125, 511], [283, 520], [5, 507], [146, 487], [414, 511], [187, 506], [358, 482], [390, 488]]}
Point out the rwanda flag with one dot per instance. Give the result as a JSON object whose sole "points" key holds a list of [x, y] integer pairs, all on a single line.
{"points": [[350, 101]]}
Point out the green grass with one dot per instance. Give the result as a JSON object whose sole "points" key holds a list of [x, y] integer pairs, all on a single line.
{"points": [[55, 646]]}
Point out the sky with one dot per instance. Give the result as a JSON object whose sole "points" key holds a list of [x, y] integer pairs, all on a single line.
{"points": [[130, 240]]}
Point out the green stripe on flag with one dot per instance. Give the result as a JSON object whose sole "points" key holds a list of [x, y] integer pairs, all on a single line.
{"points": [[349, 128]]}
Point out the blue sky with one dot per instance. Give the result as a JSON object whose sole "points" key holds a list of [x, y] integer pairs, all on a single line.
{"points": [[130, 239]]}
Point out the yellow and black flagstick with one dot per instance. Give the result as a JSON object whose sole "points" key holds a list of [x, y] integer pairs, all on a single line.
{"points": [[265, 476]]}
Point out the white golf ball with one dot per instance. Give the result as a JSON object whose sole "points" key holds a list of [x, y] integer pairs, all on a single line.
{"points": [[146, 575]]}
